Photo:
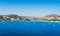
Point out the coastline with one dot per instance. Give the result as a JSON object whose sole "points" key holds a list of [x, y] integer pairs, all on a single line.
{"points": [[30, 20], [45, 21]]}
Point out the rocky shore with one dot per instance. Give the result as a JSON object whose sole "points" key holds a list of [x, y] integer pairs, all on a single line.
{"points": [[13, 17]]}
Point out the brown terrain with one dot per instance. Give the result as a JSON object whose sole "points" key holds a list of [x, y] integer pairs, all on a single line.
{"points": [[12, 17]]}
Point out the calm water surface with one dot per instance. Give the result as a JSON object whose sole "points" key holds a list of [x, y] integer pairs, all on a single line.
{"points": [[29, 28]]}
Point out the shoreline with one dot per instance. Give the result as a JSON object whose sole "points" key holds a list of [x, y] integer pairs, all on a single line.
{"points": [[28, 21], [45, 21]]}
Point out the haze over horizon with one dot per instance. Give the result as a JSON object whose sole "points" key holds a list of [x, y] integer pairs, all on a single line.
{"points": [[30, 7]]}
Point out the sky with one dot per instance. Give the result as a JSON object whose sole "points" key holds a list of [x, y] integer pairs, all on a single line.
{"points": [[35, 8]]}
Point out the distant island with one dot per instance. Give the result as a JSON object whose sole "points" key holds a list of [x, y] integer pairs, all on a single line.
{"points": [[13, 17]]}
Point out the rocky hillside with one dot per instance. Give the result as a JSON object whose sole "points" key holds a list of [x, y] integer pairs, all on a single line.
{"points": [[12, 17], [52, 17]]}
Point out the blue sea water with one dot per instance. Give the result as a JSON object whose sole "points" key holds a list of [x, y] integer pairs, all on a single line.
{"points": [[29, 28]]}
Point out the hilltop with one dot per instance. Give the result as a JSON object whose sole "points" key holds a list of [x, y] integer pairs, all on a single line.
{"points": [[52, 17], [13, 17]]}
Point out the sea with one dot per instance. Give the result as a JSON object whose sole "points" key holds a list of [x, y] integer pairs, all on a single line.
{"points": [[29, 28]]}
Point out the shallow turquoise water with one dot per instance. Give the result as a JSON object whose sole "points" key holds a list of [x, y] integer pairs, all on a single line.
{"points": [[29, 28]]}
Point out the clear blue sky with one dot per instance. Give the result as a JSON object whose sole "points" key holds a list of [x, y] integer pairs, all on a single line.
{"points": [[30, 7]]}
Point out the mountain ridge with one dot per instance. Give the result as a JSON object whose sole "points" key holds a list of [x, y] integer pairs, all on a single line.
{"points": [[13, 17]]}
